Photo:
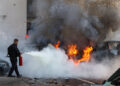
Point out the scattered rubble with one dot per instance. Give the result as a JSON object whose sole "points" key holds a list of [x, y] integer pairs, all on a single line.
{"points": [[6, 81]]}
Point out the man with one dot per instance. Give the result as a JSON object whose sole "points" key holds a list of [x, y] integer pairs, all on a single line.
{"points": [[13, 53]]}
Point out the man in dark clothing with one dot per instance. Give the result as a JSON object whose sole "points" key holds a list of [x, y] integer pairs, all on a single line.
{"points": [[13, 53]]}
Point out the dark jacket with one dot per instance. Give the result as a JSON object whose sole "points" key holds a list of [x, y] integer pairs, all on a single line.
{"points": [[13, 51]]}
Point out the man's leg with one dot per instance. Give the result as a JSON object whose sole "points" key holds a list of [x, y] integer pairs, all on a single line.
{"points": [[16, 70], [12, 69]]}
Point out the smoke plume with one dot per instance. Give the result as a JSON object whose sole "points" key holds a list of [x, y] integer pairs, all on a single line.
{"points": [[72, 22]]}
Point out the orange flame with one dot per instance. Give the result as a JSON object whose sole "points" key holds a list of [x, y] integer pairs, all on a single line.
{"points": [[86, 55], [26, 36], [72, 51], [57, 45]]}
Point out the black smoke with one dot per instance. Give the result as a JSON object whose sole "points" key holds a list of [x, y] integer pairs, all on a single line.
{"points": [[70, 23]]}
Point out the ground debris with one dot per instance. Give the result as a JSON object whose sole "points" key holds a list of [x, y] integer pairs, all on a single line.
{"points": [[13, 81], [56, 82]]}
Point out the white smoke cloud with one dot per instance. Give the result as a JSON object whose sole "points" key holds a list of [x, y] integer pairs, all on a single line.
{"points": [[54, 63]]}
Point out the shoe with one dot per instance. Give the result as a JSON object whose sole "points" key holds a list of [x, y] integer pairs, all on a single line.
{"points": [[10, 76]]}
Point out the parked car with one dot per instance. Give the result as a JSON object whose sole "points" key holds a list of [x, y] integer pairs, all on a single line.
{"points": [[4, 67]]}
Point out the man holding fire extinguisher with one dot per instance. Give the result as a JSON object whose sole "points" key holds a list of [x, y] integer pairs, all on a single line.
{"points": [[13, 53]]}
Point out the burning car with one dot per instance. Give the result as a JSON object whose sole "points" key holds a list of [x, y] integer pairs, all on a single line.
{"points": [[105, 49]]}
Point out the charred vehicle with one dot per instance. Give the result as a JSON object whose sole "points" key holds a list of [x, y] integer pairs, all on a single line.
{"points": [[107, 49]]}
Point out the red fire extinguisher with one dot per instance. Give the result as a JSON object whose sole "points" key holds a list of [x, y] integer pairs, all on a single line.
{"points": [[20, 61]]}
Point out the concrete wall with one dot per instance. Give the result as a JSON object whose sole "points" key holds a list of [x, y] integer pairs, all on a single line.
{"points": [[13, 17]]}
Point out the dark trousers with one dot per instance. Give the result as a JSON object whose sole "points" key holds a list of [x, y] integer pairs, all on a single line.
{"points": [[14, 67]]}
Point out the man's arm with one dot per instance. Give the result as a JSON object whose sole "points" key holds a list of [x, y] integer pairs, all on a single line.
{"points": [[17, 51]]}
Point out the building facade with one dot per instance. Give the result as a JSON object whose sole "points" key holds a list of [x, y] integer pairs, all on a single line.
{"points": [[13, 17]]}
